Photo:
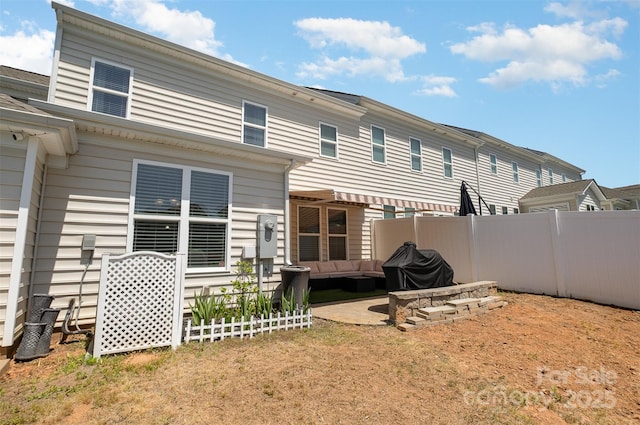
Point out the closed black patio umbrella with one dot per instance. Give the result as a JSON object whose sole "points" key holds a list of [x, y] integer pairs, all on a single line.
{"points": [[466, 205]]}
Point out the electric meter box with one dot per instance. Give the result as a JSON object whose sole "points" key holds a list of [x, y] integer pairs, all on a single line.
{"points": [[267, 236]]}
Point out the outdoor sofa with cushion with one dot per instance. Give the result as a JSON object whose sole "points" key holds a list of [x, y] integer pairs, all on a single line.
{"points": [[331, 274]]}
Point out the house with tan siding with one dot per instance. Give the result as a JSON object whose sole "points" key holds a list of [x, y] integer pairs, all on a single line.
{"points": [[148, 145]]}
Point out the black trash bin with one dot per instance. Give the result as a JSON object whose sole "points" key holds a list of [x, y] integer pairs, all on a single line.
{"points": [[295, 278]]}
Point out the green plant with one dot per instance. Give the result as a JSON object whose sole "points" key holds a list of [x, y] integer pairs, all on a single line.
{"points": [[209, 307], [305, 300], [288, 305], [245, 289], [264, 304]]}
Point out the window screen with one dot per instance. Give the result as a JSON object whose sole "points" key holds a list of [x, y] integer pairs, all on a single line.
{"points": [[111, 89], [160, 216]]}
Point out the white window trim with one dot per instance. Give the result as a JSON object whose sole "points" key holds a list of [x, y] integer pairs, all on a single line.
{"points": [[320, 140], [564, 177], [538, 177], [491, 164], [319, 234], [183, 219], [384, 144], [266, 123], [550, 175], [345, 236], [515, 169], [104, 90], [412, 155], [444, 163]]}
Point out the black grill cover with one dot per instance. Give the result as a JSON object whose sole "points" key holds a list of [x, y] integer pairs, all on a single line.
{"points": [[409, 268]]}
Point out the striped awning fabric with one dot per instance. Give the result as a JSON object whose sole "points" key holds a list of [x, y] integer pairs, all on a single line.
{"points": [[330, 195]]}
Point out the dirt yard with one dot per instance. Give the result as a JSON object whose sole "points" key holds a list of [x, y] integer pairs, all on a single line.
{"points": [[539, 360]]}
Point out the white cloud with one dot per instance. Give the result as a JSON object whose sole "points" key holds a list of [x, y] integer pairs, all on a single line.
{"points": [[434, 85], [29, 48], [186, 28], [374, 48], [65, 3], [554, 54], [574, 10]]}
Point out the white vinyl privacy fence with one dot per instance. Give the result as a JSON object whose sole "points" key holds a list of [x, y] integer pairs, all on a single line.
{"points": [[585, 255]]}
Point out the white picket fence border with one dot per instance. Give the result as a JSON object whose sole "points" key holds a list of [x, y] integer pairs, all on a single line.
{"points": [[243, 328]]}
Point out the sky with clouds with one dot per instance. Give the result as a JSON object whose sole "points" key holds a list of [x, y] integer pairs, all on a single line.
{"points": [[561, 77]]}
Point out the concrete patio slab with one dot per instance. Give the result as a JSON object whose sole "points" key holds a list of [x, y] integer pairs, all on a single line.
{"points": [[367, 311]]}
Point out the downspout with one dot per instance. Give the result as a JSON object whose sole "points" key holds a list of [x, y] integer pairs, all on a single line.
{"points": [[37, 236], [476, 153], [287, 214]]}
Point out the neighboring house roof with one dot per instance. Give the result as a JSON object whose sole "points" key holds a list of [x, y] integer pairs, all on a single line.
{"points": [[624, 196], [23, 85], [22, 75], [579, 187], [536, 155], [548, 157], [613, 193], [374, 105], [347, 97], [9, 102], [632, 191], [487, 138]]}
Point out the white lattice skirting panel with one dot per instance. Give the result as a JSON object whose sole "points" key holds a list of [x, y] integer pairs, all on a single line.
{"points": [[140, 302]]}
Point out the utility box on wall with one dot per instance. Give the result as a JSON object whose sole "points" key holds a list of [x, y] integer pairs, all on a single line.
{"points": [[267, 236]]}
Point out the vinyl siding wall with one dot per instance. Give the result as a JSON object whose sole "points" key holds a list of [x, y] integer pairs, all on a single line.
{"points": [[500, 189], [356, 172], [92, 195], [182, 96]]}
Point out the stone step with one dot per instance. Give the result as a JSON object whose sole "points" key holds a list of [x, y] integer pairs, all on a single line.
{"points": [[404, 327], [486, 300], [416, 321], [464, 302]]}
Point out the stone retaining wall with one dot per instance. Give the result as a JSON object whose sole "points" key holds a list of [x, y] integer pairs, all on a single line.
{"points": [[405, 304]]}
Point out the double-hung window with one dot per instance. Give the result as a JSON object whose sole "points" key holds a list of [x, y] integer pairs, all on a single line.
{"points": [[416, 154], [539, 178], [494, 163], [550, 176], [328, 140], [337, 234], [110, 88], [181, 209], [388, 211], [377, 145], [447, 162], [514, 166], [254, 124], [564, 178], [309, 234]]}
